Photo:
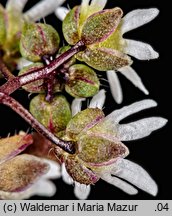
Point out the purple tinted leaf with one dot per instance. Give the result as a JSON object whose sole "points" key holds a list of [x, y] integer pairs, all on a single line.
{"points": [[100, 25]]}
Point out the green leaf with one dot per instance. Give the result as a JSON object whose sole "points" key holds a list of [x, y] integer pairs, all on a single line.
{"points": [[100, 25]]}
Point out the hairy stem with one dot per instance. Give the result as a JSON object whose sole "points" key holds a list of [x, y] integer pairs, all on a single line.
{"points": [[12, 85], [67, 146], [5, 71]]}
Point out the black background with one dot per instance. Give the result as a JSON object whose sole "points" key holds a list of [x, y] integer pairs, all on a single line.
{"points": [[153, 152]]}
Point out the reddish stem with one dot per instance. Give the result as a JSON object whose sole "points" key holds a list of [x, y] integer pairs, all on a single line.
{"points": [[67, 146], [12, 85], [5, 71]]}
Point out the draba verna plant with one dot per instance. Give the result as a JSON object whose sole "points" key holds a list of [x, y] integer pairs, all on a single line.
{"points": [[80, 145]]}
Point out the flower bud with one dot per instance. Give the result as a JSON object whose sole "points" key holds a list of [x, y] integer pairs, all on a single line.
{"points": [[54, 115], [83, 121], [70, 26], [82, 82], [79, 172], [38, 40], [99, 149]]}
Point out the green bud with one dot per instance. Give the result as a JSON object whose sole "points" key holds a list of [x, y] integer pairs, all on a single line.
{"points": [[100, 25], [14, 24], [70, 26], [82, 121], [104, 59], [82, 82], [37, 86], [38, 40], [99, 148], [54, 115], [79, 172], [2, 26]]}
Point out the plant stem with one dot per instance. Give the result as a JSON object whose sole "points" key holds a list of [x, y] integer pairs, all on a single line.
{"points": [[5, 71], [67, 146], [12, 85]]}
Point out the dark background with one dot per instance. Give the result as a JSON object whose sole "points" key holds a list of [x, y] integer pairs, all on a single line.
{"points": [[153, 153]]}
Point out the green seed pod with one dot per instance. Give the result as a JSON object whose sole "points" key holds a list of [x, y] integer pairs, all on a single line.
{"points": [[2, 26], [79, 172], [38, 40], [54, 115], [37, 86], [82, 121], [82, 82], [70, 26]]}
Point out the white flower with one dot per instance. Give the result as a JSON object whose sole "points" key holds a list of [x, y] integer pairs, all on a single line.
{"points": [[122, 168], [82, 191], [137, 49], [38, 11]]}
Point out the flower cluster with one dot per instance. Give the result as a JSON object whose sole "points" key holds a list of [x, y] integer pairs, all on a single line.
{"points": [[81, 146]]}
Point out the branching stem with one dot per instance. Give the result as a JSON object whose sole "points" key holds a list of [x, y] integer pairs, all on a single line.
{"points": [[67, 146], [13, 84]]}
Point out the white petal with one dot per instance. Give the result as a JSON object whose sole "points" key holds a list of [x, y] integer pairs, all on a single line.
{"points": [[22, 62], [140, 50], [99, 5], [81, 191], [137, 18], [16, 4], [98, 100], [65, 176], [43, 188], [119, 183], [117, 115], [40, 188], [139, 129], [42, 9], [61, 13], [76, 105], [131, 75], [54, 171], [136, 175], [115, 86]]}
